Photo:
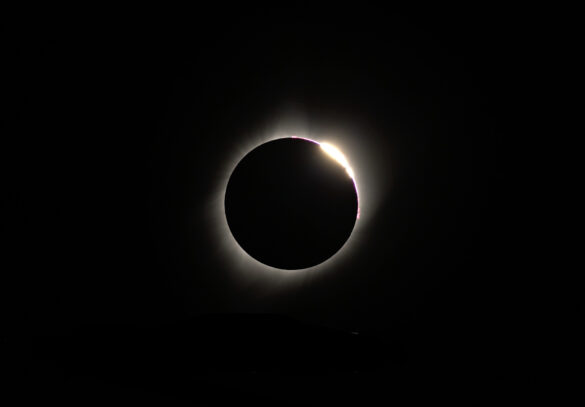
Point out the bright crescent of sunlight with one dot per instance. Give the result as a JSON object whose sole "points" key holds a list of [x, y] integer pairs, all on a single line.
{"points": [[338, 156]]}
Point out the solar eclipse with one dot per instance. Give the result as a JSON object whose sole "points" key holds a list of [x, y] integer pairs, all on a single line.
{"points": [[357, 142]]}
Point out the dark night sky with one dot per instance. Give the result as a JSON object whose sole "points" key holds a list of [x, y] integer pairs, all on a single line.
{"points": [[118, 129]]}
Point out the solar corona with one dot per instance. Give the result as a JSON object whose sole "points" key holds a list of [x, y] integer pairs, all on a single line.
{"points": [[336, 151]]}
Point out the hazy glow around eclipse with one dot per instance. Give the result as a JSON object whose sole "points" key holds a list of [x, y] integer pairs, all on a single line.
{"points": [[248, 270]]}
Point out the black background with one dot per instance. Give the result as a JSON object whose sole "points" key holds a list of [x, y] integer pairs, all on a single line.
{"points": [[118, 125]]}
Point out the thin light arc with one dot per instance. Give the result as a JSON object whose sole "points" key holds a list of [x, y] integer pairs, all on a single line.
{"points": [[338, 156]]}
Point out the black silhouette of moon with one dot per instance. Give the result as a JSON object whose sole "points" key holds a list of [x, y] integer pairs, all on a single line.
{"points": [[290, 204]]}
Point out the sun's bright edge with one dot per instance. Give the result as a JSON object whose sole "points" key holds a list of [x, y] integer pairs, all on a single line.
{"points": [[338, 156]]}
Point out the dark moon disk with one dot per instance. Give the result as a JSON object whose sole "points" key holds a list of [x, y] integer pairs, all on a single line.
{"points": [[290, 205]]}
